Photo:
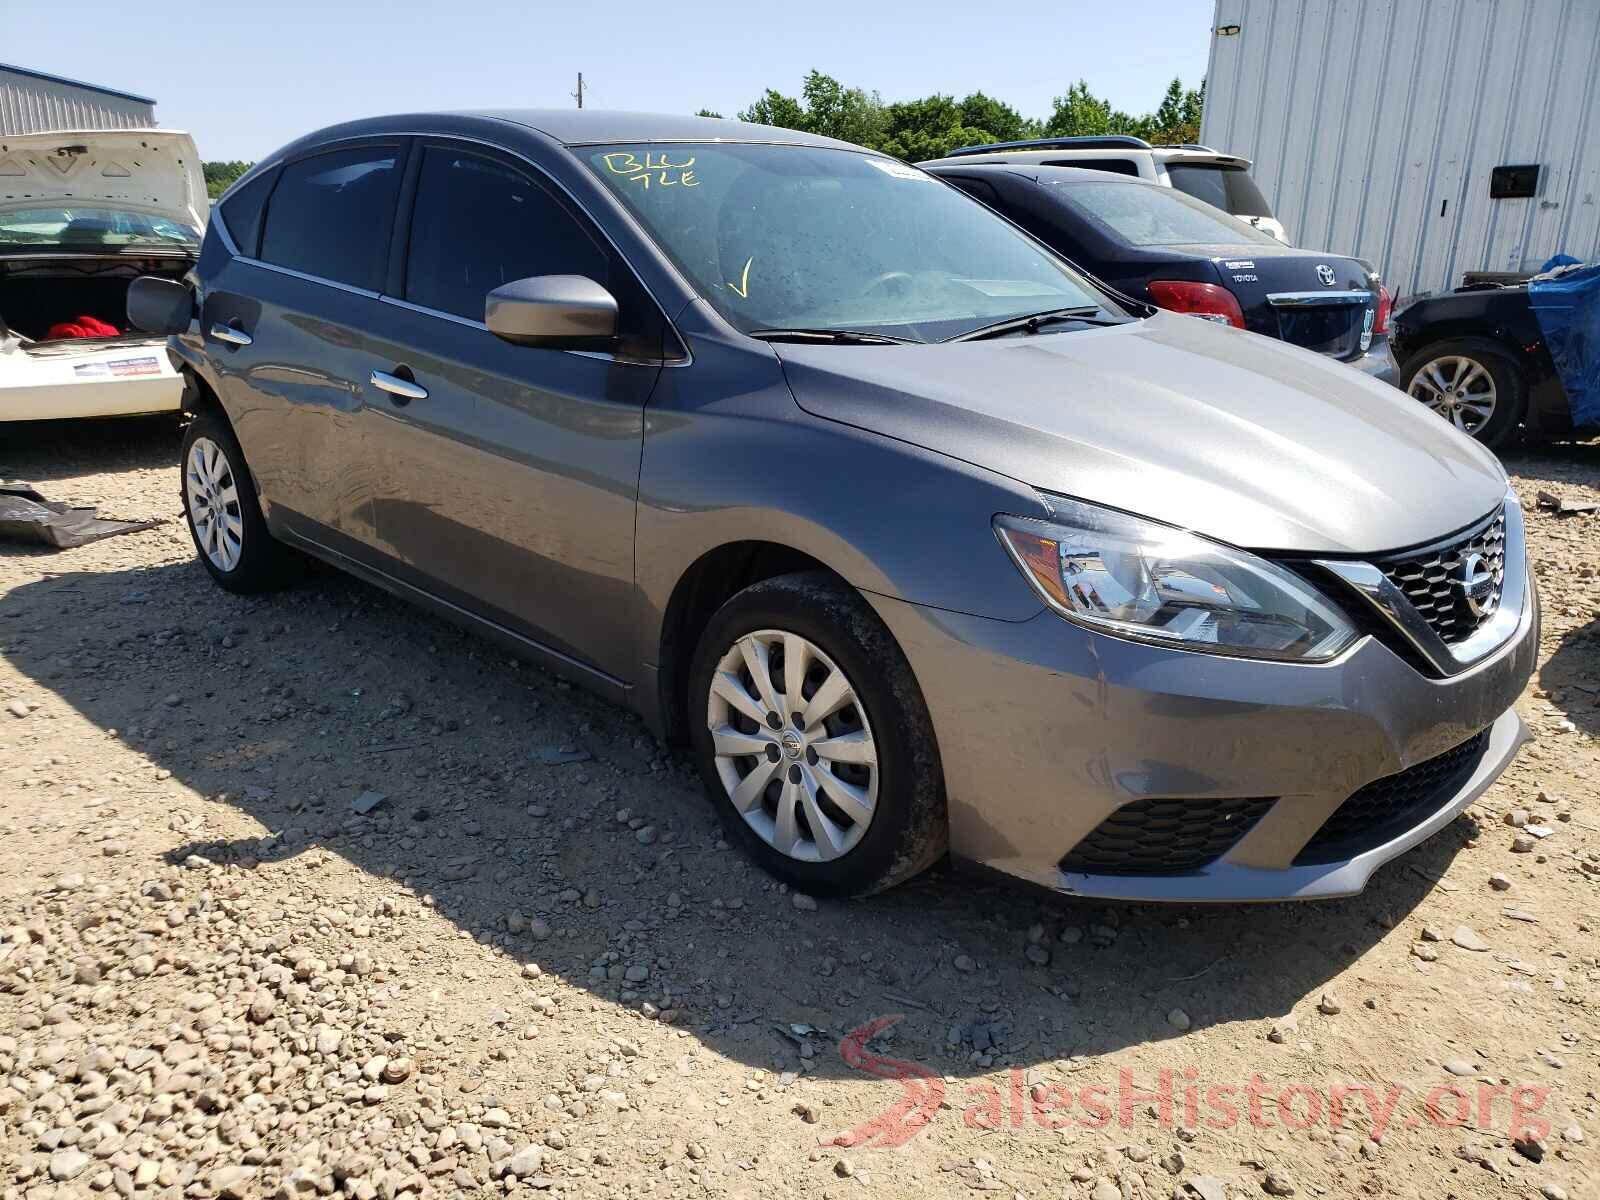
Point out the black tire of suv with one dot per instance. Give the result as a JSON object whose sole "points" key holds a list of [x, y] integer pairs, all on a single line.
{"points": [[265, 564], [1511, 390], [908, 831]]}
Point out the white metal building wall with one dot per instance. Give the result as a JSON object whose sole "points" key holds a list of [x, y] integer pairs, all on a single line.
{"points": [[32, 103], [1374, 124]]}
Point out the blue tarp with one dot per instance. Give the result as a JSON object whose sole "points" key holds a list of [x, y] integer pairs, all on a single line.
{"points": [[1567, 304]]}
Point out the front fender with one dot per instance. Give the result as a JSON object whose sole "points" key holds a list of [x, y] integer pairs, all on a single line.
{"points": [[746, 463]]}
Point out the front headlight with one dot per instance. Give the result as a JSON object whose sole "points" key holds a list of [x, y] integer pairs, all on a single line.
{"points": [[1137, 579]]}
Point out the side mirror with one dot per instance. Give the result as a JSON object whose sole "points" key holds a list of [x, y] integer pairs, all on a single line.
{"points": [[157, 305], [560, 311]]}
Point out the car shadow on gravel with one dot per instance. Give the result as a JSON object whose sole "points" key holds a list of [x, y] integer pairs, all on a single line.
{"points": [[58, 451], [1570, 677], [290, 707]]}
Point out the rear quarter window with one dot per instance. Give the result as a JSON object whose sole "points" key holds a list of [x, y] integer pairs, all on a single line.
{"points": [[330, 215], [241, 212], [1116, 166]]}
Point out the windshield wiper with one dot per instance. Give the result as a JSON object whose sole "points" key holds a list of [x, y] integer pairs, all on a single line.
{"points": [[839, 337], [1031, 323]]}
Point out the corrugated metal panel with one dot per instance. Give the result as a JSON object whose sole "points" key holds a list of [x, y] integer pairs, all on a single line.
{"points": [[29, 104], [1374, 125]]}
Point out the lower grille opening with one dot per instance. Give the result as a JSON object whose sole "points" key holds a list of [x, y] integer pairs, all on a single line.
{"points": [[1389, 806], [1165, 837]]}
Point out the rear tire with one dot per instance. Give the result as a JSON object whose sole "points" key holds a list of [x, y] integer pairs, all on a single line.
{"points": [[1472, 383], [223, 512], [841, 792]]}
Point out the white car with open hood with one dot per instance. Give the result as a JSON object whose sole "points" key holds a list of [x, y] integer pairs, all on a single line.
{"points": [[82, 215]]}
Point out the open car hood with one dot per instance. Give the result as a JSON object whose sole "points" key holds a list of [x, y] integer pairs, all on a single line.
{"points": [[154, 171]]}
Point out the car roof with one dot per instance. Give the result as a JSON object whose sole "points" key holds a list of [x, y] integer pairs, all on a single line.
{"points": [[1043, 174], [1166, 154], [578, 127]]}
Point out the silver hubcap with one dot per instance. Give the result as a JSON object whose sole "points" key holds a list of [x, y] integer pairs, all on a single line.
{"points": [[793, 746], [213, 500], [1459, 389]]}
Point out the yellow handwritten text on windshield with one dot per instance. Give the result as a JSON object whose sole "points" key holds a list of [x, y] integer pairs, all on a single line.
{"points": [[654, 168]]}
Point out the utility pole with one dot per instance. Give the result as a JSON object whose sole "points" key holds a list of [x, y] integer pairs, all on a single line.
{"points": [[578, 95]]}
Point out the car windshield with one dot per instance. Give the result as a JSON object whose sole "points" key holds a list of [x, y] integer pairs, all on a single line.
{"points": [[1145, 215], [1229, 188], [812, 238], [75, 226]]}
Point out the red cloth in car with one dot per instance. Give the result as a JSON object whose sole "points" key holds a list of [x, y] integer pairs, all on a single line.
{"points": [[82, 327]]}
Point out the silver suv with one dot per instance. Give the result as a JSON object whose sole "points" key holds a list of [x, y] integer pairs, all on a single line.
{"points": [[1221, 180], [915, 536]]}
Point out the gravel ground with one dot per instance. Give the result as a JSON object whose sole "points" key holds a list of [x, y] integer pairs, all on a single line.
{"points": [[298, 897]]}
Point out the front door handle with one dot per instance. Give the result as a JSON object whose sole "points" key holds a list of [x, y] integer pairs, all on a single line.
{"points": [[406, 389], [227, 333]]}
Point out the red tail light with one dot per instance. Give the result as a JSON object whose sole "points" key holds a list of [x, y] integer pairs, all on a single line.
{"points": [[1380, 323], [1198, 299]]}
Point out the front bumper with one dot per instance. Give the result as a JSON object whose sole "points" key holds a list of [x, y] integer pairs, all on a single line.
{"points": [[1378, 363], [1045, 729]]}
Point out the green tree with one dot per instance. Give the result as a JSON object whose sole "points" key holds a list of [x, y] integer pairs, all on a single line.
{"points": [[219, 175], [706, 112], [826, 107], [1079, 113], [933, 126]]}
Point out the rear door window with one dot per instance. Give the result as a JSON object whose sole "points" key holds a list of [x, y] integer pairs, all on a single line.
{"points": [[1117, 166], [1229, 188], [331, 215], [478, 223]]}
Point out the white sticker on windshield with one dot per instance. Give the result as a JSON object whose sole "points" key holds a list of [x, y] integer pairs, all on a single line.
{"points": [[899, 170]]}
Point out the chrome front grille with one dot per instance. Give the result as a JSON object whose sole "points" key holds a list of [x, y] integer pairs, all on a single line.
{"points": [[1437, 581], [1453, 602]]}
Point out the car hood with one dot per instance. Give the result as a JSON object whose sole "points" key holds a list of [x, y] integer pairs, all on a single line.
{"points": [[1242, 438], [155, 171]]}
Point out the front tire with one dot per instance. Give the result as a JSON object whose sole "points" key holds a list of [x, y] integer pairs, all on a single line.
{"points": [[813, 739], [223, 512], [1470, 383]]}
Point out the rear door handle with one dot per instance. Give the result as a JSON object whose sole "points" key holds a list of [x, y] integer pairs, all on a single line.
{"points": [[395, 386], [227, 333]]}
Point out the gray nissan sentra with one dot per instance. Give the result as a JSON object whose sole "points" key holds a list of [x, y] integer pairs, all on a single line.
{"points": [[920, 539]]}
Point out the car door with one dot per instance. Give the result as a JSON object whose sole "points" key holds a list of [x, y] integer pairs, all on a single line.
{"points": [[510, 472], [286, 321]]}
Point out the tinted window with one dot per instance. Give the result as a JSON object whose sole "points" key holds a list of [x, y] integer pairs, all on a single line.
{"points": [[1141, 214], [1117, 166], [976, 188], [330, 215], [1229, 188], [242, 212], [479, 223]]}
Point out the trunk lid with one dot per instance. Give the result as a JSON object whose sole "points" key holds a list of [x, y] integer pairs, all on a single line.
{"points": [[1323, 302], [154, 171]]}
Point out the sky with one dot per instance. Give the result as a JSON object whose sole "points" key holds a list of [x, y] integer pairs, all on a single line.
{"points": [[246, 77]]}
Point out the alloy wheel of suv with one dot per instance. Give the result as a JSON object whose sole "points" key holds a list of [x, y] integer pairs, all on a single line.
{"points": [[1459, 389], [1470, 383], [813, 739]]}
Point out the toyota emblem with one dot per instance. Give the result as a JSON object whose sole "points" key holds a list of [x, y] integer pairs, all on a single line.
{"points": [[1325, 273]]}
